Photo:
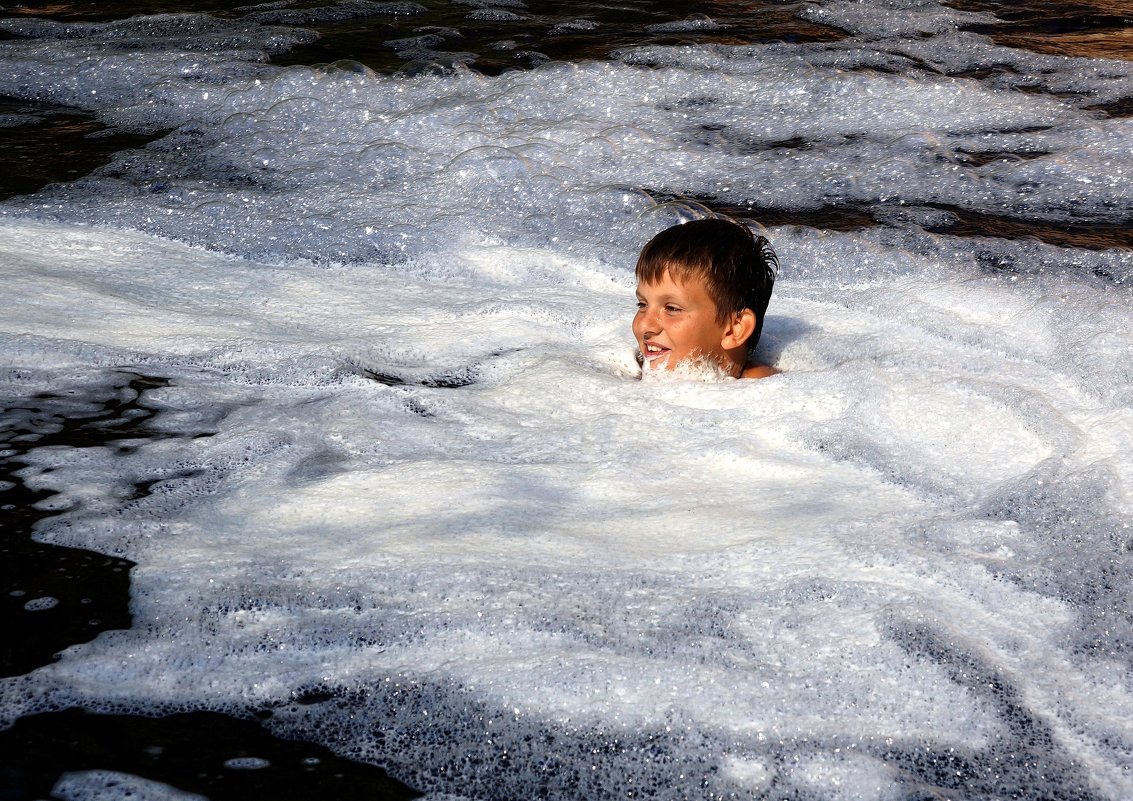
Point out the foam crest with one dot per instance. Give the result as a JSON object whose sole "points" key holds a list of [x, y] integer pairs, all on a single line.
{"points": [[295, 163], [96, 785], [336, 12], [904, 18], [693, 22]]}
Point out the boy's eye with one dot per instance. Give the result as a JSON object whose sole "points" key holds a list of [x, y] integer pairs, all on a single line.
{"points": [[672, 309]]}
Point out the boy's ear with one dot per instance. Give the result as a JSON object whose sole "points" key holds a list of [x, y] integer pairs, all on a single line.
{"points": [[739, 329]]}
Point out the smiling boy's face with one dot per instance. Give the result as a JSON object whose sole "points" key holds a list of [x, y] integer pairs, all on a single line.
{"points": [[676, 322]]}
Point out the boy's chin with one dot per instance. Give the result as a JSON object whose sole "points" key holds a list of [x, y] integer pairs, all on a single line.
{"points": [[698, 368]]}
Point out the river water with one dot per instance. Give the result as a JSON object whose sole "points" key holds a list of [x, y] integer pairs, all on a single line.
{"points": [[325, 452]]}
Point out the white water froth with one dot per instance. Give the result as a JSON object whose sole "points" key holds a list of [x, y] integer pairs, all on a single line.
{"points": [[108, 785], [340, 164], [431, 486]]}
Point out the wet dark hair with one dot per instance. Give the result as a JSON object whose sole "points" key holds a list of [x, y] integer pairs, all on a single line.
{"points": [[738, 268]]}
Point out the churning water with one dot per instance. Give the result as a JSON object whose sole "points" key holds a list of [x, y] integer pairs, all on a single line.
{"points": [[376, 447]]}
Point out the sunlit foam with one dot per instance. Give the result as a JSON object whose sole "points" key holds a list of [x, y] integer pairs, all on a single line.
{"points": [[695, 369]]}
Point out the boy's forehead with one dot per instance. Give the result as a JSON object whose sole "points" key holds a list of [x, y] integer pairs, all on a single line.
{"points": [[686, 281]]}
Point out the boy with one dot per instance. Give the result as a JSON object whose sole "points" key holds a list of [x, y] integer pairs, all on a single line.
{"points": [[702, 291]]}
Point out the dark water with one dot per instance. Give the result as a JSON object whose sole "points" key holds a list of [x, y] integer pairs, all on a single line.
{"points": [[186, 751], [90, 594], [1095, 29], [91, 591]]}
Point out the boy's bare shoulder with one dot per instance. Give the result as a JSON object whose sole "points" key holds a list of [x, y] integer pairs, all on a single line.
{"points": [[758, 371]]}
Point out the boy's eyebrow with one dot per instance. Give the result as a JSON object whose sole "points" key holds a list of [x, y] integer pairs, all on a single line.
{"points": [[665, 298]]}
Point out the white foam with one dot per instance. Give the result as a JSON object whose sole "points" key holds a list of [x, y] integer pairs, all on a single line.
{"points": [[336, 12], [587, 557], [893, 18], [693, 22], [573, 26], [246, 763], [42, 603], [108, 785], [405, 460], [294, 162], [495, 15]]}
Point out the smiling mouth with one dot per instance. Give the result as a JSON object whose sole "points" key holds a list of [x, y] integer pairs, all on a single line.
{"points": [[652, 352]]}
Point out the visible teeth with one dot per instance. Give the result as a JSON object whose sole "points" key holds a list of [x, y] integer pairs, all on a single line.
{"points": [[653, 348]]}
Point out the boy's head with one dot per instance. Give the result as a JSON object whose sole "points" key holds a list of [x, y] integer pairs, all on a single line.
{"points": [[703, 289]]}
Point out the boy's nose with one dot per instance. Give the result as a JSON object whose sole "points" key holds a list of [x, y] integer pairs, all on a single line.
{"points": [[652, 322]]}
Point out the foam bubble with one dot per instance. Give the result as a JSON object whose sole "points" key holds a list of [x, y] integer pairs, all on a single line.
{"points": [[246, 763], [40, 604], [693, 22]]}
